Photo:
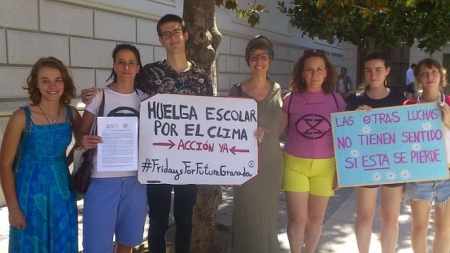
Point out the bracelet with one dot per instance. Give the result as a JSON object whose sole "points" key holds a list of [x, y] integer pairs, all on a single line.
{"points": [[13, 208]]}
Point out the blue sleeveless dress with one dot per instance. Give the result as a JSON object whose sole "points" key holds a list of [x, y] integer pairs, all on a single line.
{"points": [[42, 187]]}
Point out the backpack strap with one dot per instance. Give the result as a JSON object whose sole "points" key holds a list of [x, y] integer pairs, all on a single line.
{"points": [[93, 130], [289, 112], [335, 101], [239, 88], [101, 109]]}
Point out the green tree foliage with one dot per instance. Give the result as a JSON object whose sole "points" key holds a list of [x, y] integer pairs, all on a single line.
{"points": [[251, 13], [373, 24]]}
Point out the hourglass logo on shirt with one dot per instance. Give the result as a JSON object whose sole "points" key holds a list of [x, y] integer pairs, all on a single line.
{"points": [[313, 126]]}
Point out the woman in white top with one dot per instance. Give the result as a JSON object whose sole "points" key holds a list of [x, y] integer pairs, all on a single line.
{"points": [[115, 203]]}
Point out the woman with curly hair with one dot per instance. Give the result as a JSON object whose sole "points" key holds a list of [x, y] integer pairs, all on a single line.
{"points": [[42, 209], [309, 166]]}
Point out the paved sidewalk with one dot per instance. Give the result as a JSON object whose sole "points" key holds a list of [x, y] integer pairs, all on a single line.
{"points": [[337, 236]]}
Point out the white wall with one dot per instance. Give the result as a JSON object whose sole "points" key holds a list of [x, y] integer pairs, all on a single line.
{"points": [[415, 54]]}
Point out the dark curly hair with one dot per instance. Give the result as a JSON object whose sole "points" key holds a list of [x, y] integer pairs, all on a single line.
{"points": [[32, 81], [297, 82]]}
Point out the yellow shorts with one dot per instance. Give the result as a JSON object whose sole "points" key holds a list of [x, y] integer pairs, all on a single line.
{"points": [[309, 175]]}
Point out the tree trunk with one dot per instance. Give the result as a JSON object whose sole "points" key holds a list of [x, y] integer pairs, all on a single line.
{"points": [[204, 38], [204, 219]]}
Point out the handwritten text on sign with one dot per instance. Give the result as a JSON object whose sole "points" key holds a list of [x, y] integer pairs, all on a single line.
{"points": [[197, 140], [389, 145]]}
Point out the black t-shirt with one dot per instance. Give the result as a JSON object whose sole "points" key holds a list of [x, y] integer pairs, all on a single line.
{"points": [[395, 98]]}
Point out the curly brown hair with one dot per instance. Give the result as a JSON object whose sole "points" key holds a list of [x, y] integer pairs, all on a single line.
{"points": [[297, 82], [32, 81]]}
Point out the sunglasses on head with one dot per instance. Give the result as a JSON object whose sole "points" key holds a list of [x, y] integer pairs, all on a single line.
{"points": [[313, 51]]}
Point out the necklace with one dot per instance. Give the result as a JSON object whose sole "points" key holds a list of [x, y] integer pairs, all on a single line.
{"points": [[53, 119], [421, 98]]}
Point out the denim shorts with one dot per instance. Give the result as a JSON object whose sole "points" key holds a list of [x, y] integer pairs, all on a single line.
{"points": [[431, 191], [113, 207]]}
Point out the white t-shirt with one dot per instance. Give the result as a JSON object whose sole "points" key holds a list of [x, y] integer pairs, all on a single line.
{"points": [[116, 105]]}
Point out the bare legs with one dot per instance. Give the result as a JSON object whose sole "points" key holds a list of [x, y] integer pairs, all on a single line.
{"points": [[297, 216], [420, 214], [365, 208], [316, 212], [420, 210], [120, 248], [305, 217], [391, 200], [441, 243]]}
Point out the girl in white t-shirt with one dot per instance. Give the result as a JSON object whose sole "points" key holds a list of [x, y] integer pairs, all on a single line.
{"points": [[115, 203]]}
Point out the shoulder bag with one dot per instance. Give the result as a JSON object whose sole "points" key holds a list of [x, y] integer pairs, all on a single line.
{"points": [[82, 163]]}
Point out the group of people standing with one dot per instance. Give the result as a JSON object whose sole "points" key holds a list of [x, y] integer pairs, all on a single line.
{"points": [[42, 210]]}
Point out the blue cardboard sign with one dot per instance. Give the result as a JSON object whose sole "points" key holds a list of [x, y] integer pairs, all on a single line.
{"points": [[390, 145]]}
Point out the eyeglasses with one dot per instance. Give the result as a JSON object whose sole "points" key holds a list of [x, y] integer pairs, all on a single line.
{"points": [[262, 57], [169, 34]]}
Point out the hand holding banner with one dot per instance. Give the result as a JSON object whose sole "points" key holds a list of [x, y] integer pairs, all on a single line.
{"points": [[197, 140], [390, 145]]}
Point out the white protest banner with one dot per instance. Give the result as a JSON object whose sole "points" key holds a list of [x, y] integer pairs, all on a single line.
{"points": [[197, 140], [390, 145]]}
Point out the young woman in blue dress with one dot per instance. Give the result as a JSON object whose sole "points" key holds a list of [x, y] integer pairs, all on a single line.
{"points": [[42, 209]]}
